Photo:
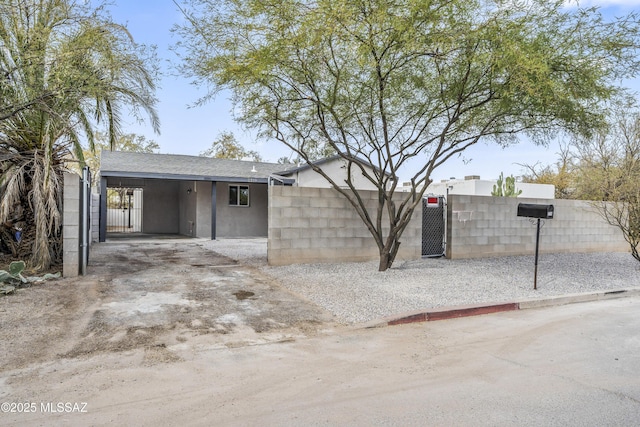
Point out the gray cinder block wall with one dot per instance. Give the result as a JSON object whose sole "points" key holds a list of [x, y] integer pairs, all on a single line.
{"points": [[481, 226], [95, 218], [71, 226], [309, 225]]}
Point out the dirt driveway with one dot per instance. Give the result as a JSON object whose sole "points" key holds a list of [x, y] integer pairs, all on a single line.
{"points": [[166, 297]]}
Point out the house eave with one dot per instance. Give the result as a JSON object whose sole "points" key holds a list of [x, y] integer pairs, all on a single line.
{"points": [[184, 177]]}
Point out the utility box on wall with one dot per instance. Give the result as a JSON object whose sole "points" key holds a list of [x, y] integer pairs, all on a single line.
{"points": [[531, 210]]}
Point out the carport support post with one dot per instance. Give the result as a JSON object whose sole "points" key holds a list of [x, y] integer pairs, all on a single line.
{"points": [[535, 270], [129, 194]]}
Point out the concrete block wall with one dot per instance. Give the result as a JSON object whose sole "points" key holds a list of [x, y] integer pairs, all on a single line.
{"points": [[95, 218], [71, 226], [312, 225], [494, 229]]}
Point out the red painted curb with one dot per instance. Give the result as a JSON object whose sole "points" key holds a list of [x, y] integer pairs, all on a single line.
{"points": [[452, 313], [414, 318]]}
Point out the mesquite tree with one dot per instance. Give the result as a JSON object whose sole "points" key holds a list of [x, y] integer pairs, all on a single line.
{"points": [[405, 81]]}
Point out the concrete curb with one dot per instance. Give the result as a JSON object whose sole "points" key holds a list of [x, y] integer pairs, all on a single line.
{"points": [[443, 313]]}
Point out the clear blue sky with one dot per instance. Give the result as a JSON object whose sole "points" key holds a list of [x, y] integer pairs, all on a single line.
{"points": [[190, 130]]}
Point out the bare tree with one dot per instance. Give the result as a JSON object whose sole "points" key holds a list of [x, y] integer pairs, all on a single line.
{"points": [[561, 175], [609, 173]]}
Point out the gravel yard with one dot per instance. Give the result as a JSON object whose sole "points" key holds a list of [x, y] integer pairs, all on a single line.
{"points": [[357, 292]]}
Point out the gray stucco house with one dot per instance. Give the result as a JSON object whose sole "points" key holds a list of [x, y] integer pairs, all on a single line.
{"points": [[201, 196], [192, 195]]}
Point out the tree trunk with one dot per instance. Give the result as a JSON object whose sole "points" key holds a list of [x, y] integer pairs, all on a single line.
{"points": [[385, 262], [634, 251], [388, 252]]}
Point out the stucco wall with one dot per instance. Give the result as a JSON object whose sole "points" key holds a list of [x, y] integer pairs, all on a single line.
{"points": [[337, 170], [308, 225], [478, 187], [480, 226], [187, 208], [241, 221], [161, 207], [203, 209]]}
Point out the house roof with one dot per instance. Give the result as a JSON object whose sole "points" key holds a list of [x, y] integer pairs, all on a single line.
{"points": [[289, 172], [181, 167]]}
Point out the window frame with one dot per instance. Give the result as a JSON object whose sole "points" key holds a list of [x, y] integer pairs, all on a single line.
{"points": [[238, 189]]}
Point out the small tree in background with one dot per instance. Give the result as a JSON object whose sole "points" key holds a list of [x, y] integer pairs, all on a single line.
{"points": [[561, 175], [226, 146], [604, 169], [625, 214], [609, 172], [128, 142]]}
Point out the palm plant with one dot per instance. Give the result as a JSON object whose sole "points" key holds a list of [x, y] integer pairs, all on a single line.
{"points": [[67, 71]]}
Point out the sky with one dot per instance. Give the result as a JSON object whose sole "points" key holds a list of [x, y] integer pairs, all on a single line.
{"points": [[187, 129]]}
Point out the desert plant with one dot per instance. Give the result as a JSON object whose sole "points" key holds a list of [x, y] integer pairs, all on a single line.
{"points": [[505, 187], [14, 274], [8, 278], [14, 277]]}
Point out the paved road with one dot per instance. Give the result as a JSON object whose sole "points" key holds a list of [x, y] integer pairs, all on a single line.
{"points": [[570, 365]]}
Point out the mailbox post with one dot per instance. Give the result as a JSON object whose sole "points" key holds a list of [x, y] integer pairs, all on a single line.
{"points": [[531, 210]]}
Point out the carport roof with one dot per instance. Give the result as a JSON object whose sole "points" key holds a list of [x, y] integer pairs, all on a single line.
{"points": [[181, 167]]}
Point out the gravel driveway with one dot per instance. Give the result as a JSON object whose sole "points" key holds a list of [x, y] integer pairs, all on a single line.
{"points": [[357, 292]]}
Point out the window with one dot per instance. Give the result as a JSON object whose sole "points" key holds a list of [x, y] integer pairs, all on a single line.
{"points": [[238, 195]]}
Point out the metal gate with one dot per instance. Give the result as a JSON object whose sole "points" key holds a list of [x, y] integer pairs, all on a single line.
{"points": [[124, 210], [85, 219], [433, 226]]}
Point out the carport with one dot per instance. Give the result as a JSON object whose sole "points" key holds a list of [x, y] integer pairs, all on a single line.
{"points": [[189, 195]]}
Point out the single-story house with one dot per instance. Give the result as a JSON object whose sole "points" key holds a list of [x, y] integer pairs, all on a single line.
{"points": [[205, 197]]}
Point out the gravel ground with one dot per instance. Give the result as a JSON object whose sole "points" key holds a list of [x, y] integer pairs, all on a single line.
{"points": [[357, 292]]}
